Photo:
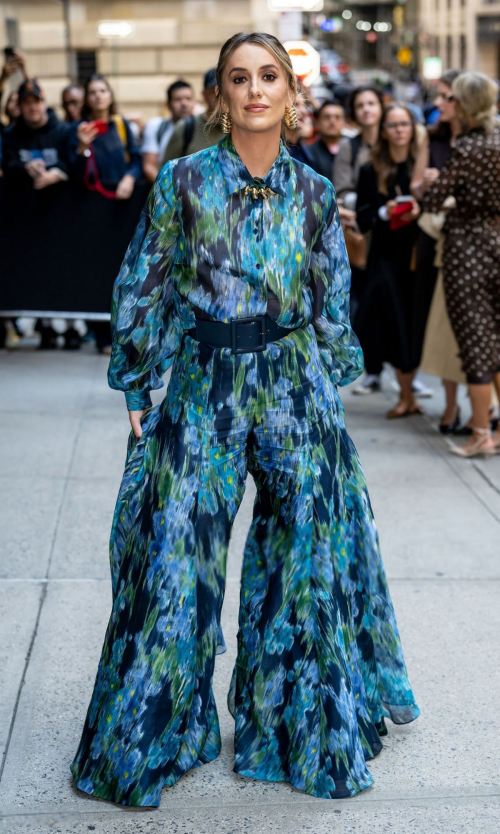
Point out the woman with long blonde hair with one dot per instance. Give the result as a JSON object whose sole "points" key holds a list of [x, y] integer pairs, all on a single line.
{"points": [[238, 278]]}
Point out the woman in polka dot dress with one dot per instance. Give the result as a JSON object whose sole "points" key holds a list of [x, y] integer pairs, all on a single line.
{"points": [[471, 258]]}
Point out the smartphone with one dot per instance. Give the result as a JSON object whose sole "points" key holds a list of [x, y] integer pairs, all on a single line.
{"points": [[404, 206], [101, 126], [9, 52]]}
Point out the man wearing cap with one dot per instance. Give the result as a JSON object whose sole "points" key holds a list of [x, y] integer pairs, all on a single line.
{"points": [[35, 146], [189, 135]]}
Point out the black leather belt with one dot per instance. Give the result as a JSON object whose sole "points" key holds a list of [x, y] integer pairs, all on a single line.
{"points": [[241, 335]]}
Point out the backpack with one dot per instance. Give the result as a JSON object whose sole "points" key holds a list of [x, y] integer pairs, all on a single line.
{"points": [[189, 126], [122, 133], [162, 128]]}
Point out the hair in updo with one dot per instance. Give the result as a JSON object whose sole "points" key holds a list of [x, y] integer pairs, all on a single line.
{"points": [[477, 95], [269, 42]]}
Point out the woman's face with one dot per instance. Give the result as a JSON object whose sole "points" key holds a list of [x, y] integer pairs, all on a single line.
{"points": [[367, 109], [398, 128], [98, 96], [12, 109], [305, 124], [445, 103], [255, 89]]}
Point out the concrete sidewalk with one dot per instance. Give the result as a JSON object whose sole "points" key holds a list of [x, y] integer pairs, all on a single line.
{"points": [[63, 438]]}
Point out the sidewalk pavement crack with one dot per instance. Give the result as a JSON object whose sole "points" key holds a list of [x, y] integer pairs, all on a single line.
{"points": [[424, 418], [485, 477], [23, 678], [45, 584], [449, 463], [360, 803]]}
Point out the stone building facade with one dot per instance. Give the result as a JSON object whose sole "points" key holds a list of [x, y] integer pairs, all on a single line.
{"points": [[465, 34], [161, 41]]}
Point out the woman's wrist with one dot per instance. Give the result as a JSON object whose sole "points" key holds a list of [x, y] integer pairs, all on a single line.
{"points": [[138, 400]]}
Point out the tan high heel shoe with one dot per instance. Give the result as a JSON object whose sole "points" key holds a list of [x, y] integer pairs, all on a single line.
{"points": [[396, 413], [479, 448]]}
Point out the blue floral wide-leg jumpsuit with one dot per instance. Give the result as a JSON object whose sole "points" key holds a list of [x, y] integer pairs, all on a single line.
{"points": [[319, 656]]}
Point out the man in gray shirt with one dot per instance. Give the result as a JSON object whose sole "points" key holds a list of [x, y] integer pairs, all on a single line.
{"points": [[158, 131], [189, 136]]}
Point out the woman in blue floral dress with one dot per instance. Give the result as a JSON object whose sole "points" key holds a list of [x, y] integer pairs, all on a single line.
{"points": [[238, 278]]}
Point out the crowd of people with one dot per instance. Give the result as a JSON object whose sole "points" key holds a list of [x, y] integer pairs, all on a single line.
{"points": [[419, 204]]}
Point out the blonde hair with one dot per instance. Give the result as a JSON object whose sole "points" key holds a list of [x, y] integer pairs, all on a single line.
{"points": [[477, 95], [269, 42]]}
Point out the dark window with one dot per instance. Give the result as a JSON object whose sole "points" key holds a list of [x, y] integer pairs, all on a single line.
{"points": [[463, 52], [449, 52], [86, 64]]}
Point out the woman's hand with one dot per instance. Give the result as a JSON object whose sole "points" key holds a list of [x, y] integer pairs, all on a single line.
{"points": [[390, 206], [135, 422], [15, 62], [125, 187], [412, 215], [347, 218], [430, 176], [20, 60], [45, 179], [35, 168], [86, 132]]}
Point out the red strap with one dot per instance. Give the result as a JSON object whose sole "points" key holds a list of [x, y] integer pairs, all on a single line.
{"points": [[92, 172]]}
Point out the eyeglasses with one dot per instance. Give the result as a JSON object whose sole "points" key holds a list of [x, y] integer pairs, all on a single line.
{"points": [[449, 98], [395, 125]]}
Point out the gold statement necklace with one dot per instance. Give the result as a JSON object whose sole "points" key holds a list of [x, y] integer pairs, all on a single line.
{"points": [[255, 193]]}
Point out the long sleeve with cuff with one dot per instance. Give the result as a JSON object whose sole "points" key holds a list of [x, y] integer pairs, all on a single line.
{"points": [[330, 285], [452, 178], [146, 334]]}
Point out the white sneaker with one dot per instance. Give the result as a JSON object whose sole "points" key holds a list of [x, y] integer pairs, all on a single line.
{"points": [[369, 385], [420, 390]]}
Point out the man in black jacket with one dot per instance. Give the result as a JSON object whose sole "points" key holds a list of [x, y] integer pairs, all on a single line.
{"points": [[330, 121], [34, 156], [34, 148]]}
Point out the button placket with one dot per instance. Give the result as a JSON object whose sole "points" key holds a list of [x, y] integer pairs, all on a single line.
{"points": [[258, 213], [258, 224]]}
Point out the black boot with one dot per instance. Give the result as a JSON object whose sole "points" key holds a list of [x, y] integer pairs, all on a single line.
{"points": [[49, 338], [72, 340]]}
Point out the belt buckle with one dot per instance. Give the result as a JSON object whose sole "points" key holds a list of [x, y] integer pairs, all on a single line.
{"points": [[235, 323]]}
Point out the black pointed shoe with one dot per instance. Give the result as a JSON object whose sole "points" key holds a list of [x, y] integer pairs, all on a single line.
{"points": [[381, 728], [451, 428]]}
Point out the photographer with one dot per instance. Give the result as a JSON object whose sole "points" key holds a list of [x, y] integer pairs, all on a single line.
{"points": [[102, 150]]}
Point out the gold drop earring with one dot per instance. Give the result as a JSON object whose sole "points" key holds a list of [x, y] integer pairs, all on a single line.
{"points": [[291, 120], [226, 122]]}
